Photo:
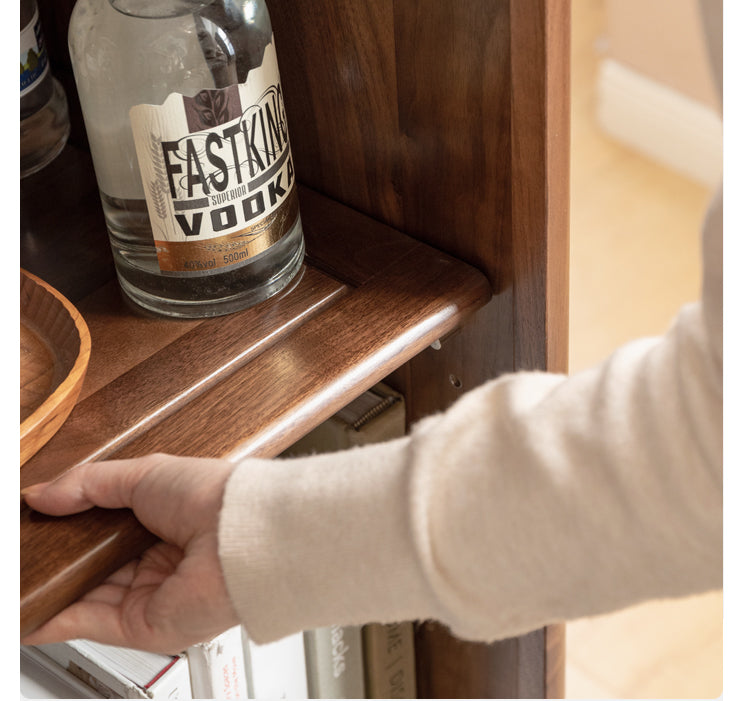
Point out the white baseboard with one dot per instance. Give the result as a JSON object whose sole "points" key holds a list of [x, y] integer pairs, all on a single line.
{"points": [[676, 131]]}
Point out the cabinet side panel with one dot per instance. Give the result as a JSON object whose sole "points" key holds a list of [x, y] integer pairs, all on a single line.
{"points": [[540, 74], [524, 327]]}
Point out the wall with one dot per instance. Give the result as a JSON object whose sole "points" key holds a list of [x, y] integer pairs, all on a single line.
{"points": [[663, 40], [655, 89]]}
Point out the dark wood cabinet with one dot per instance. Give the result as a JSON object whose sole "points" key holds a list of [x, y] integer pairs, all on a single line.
{"points": [[431, 141]]}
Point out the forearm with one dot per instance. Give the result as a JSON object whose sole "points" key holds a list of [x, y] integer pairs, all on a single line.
{"points": [[309, 542], [535, 498], [606, 490]]}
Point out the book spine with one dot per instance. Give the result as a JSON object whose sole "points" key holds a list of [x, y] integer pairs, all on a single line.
{"points": [[174, 683], [42, 677], [217, 667], [389, 662], [107, 678], [105, 681], [334, 662], [276, 670]]}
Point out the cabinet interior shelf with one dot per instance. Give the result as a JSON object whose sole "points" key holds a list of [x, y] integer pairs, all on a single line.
{"points": [[367, 299]]}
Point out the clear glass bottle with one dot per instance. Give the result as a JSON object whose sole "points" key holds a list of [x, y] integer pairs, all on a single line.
{"points": [[185, 119], [45, 125]]}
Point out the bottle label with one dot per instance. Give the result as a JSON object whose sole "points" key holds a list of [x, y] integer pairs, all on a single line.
{"points": [[34, 62], [217, 173]]}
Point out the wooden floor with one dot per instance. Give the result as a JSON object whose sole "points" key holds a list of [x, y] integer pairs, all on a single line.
{"points": [[635, 259]]}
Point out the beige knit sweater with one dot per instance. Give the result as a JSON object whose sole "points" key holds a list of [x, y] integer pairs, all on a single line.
{"points": [[536, 498]]}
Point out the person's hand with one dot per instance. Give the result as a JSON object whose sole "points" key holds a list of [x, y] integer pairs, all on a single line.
{"points": [[174, 595]]}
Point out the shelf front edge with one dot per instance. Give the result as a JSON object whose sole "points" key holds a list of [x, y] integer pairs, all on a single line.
{"points": [[307, 376]]}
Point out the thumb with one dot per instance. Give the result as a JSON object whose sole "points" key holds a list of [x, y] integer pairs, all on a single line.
{"points": [[108, 484]]}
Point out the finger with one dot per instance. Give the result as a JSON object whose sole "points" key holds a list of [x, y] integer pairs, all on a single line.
{"points": [[108, 484], [124, 576], [113, 589], [112, 594], [123, 624], [156, 564], [91, 620], [119, 604]]}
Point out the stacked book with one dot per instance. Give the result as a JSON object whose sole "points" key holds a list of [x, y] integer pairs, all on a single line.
{"points": [[371, 661]]}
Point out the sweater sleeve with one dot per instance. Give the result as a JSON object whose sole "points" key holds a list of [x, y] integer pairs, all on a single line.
{"points": [[535, 498]]}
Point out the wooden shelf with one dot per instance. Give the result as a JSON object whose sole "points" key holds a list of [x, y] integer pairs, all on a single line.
{"points": [[366, 301], [452, 127]]}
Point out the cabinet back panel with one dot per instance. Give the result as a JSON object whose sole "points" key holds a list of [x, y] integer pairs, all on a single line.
{"points": [[402, 110]]}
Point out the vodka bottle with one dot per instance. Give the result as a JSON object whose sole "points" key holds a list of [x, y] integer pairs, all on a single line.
{"points": [[45, 125], [185, 119]]}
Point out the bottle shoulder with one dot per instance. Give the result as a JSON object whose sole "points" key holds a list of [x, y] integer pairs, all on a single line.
{"points": [[27, 10], [158, 56]]}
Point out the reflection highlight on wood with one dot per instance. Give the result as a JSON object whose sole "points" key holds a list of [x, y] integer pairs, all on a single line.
{"points": [[247, 384]]}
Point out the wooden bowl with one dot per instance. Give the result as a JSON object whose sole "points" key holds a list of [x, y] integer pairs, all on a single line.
{"points": [[55, 350]]}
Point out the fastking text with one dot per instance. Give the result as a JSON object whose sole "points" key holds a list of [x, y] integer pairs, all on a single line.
{"points": [[249, 157], [233, 214]]}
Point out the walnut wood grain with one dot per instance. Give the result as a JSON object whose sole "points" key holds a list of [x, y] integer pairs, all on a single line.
{"points": [[400, 110], [55, 553], [540, 145], [121, 338], [247, 384], [155, 385], [449, 122], [554, 667], [268, 404], [513, 664]]}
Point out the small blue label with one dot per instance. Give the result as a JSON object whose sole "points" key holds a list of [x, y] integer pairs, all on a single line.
{"points": [[34, 62]]}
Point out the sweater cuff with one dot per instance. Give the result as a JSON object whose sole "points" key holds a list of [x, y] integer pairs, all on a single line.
{"points": [[322, 540]]}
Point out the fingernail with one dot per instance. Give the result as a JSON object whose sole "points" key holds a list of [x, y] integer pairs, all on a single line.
{"points": [[34, 489]]}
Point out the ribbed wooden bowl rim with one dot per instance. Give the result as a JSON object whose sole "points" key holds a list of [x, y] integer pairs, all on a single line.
{"points": [[72, 381]]}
